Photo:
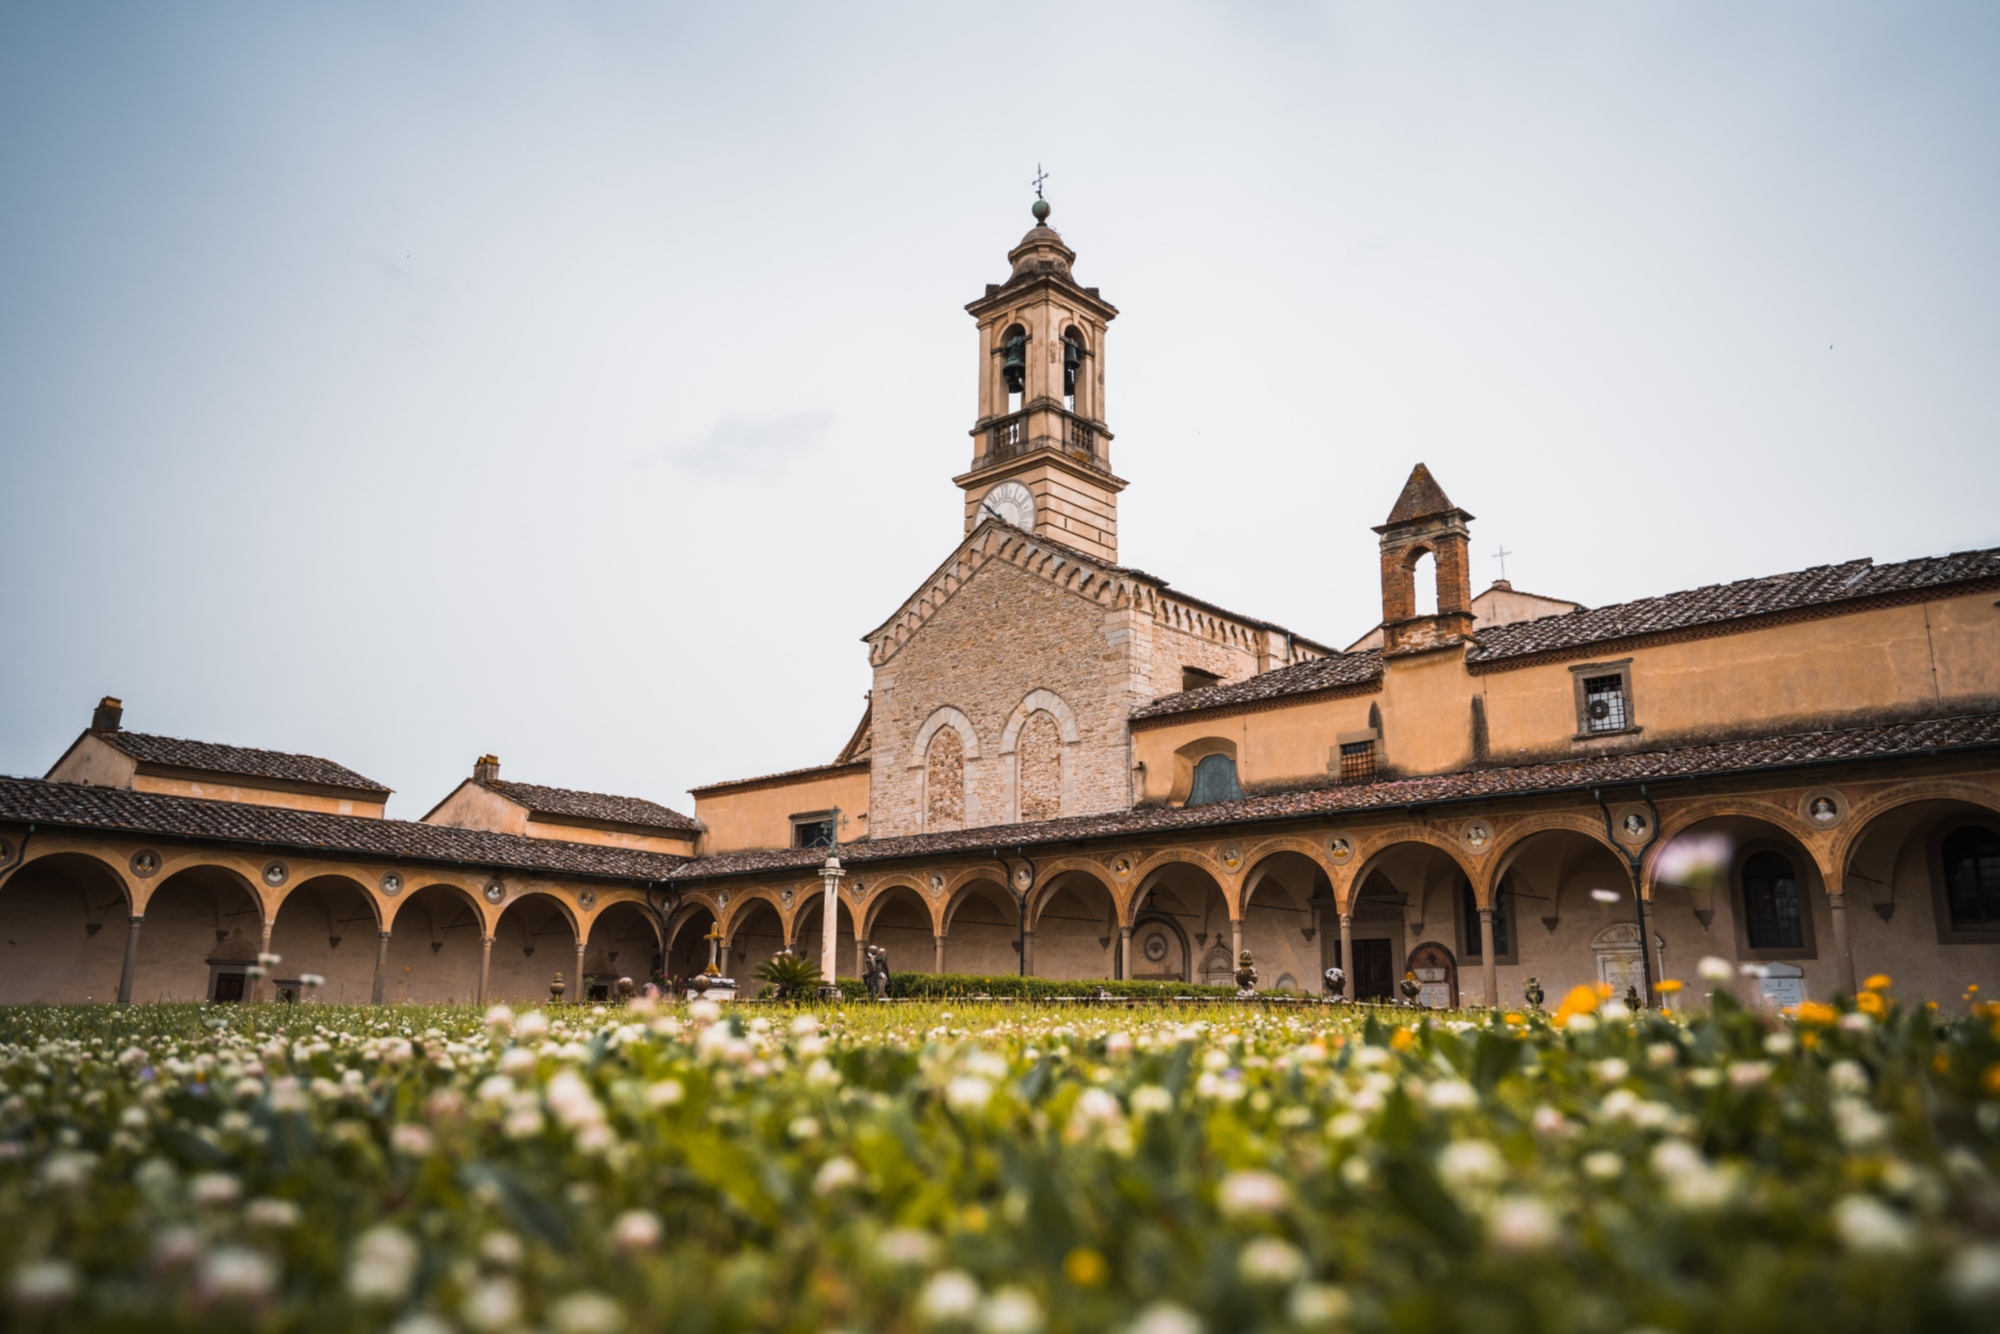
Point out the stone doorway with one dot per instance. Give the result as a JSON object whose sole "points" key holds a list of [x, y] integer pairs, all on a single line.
{"points": [[1437, 975]]}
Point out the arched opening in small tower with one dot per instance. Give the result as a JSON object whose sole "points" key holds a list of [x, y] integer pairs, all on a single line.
{"points": [[1073, 354], [1014, 365], [1423, 570]]}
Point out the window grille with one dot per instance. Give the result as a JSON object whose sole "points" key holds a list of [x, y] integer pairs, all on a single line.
{"points": [[1215, 780], [812, 833], [1475, 948], [1604, 704], [1972, 876], [1771, 903], [1357, 761]]}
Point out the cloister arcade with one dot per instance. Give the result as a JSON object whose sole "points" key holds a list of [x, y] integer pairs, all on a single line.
{"points": [[1809, 886]]}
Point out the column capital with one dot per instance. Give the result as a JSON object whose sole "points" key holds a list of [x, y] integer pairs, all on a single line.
{"points": [[384, 933]]}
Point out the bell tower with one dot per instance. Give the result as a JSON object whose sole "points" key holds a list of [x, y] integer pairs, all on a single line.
{"points": [[1041, 455]]}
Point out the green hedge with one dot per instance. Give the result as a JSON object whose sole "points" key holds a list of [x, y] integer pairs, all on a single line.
{"points": [[1007, 986]]}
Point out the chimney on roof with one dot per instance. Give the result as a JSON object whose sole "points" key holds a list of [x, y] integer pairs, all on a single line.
{"points": [[110, 713], [487, 769]]}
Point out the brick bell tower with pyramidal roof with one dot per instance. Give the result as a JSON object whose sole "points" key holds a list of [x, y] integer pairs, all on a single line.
{"points": [[1041, 453], [1423, 523]]}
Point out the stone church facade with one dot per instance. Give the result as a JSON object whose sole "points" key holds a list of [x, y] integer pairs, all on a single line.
{"points": [[1071, 768]]}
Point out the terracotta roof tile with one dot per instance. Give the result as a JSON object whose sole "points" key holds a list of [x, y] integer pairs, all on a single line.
{"points": [[75, 805], [1723, 757], [592, 805], [1821, 586], [244, 760], [1422, 498], [1304, 678]]}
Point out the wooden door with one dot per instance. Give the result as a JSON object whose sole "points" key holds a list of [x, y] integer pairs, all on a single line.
{"points": [[1374, 972]]}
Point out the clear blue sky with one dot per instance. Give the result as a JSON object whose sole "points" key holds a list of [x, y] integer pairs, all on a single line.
{"points": [[400, 382]]}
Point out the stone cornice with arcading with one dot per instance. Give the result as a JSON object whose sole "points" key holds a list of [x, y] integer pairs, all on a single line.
{"points": [[1113, 587]]}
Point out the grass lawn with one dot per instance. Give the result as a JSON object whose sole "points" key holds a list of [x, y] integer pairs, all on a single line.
{"points": [[941, 1165]]}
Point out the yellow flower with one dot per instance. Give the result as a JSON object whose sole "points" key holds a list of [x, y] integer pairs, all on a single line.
{"points": [[1990, 1081], [1870, 1002], [1402, 1038], [1514, 1018], [1879, 982], [1813, 1012], [1809, 1040], [1941, 1063], [1667, 986], [1085, 1267]]}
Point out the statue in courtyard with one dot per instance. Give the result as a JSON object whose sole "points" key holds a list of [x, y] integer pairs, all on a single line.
{"points": [[1632, 1001], [1334, 980], [1246, 976], [875, 972], [1533, 993], [1410, 987]]}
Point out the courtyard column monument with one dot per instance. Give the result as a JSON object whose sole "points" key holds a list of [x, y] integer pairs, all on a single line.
{"points": [[829, 937], [485, 965], [1836, 903], [581, 993], [1489, 967], [131, 960], [1347, 954], [264, 983], [381, 968]]}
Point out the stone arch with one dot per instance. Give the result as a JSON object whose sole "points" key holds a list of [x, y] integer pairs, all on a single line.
{"points": [[1679, 819], [327, 924], [880, 894], [898, 918], [947, 716], [1184, 885], [1075, 917], [686, 948], [205, 910], [742, 900], [623, 940], [1373, 848], [1040, 700], [65, 916], [535, 937], [1854, 829], [981, 924], [754, 931], [1281, 927]]}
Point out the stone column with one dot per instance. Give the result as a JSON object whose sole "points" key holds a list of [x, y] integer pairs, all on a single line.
{"points": [[1842, 950], [1489, 966], [1125, 953], [577, 992], [265, 984], [381, 968], [485, 965], [1027, 954], [940, 955], [860, 955], [1347, 953], [131, 960], [1235, 943]]}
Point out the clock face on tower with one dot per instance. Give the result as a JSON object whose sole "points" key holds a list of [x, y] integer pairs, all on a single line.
{"points": [[1010, 502]]}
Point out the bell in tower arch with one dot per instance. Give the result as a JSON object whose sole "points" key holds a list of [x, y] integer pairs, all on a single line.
{"points": [[1014, 360]]}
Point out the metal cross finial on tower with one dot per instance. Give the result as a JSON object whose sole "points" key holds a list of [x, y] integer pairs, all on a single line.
{"points": [[1503, 554], [1040, 176]]}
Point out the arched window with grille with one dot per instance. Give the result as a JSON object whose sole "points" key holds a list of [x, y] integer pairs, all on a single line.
{"points": [[1971, 856], [1772, 909], [1215, 780], [1503, 914]]}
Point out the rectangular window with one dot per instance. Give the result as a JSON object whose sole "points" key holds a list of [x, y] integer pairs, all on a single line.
{"points": [[1194, 678], [1357, 761], [812, 831], [1604, 704], [1503, 914]]}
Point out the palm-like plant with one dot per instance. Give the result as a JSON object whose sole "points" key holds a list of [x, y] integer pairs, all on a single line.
{"points": [[789, 976]]}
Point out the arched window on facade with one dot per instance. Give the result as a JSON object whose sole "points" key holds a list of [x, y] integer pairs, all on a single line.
{"points": [[944, 781], [1972, 876], [1771, 907], [1503, 913], [1214, 780], [1039, 752]]}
